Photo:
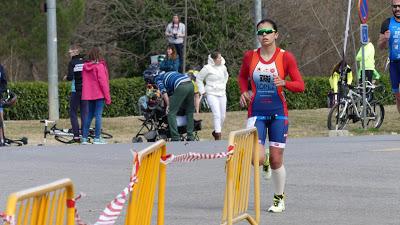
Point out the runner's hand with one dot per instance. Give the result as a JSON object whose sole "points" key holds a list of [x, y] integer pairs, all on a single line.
{"points": [[244, 99], [279, 82], [387, 35]]}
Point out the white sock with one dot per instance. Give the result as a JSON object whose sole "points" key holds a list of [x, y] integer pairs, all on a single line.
{"points": [[279, 179]]}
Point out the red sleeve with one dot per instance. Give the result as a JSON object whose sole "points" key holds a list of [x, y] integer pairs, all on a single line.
{"points": [[296, 83], [244, 75]]}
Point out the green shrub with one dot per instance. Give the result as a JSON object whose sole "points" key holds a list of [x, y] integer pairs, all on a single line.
{"points": [[33, 99]]}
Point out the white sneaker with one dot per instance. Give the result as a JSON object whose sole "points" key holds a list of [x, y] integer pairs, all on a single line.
{"points": [[266, 168], [278, 205]]}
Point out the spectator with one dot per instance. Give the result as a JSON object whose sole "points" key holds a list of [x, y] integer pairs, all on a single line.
{"points": [[192, 74], [95, 90], [215, 75], [336, 81], [369, 61], [75, 67], [175, 32], [177, 91], [171, 62], [3, 89]]}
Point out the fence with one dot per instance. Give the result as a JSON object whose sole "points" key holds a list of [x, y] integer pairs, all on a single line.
{"points": [[47, 204], [238, 179], [140, 206]]}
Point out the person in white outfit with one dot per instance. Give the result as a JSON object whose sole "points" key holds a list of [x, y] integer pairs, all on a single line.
{"points": [[215, 75]]}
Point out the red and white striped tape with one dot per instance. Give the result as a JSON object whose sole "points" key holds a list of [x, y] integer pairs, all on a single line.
{"points": [[114, 209], [78, 219], [7, 218], [193, 156]]}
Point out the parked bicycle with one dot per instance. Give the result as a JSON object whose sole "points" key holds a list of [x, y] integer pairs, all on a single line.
{"points": [[66, 136], [351, 108]]}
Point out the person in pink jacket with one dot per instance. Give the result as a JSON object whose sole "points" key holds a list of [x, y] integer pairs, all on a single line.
{"points": [[95, 90]]}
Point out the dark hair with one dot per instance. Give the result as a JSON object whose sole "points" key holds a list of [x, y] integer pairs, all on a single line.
{"points": [[338, 66], [215, 54], [172, 47], [95, 54], [179, 19], [268, 21]]}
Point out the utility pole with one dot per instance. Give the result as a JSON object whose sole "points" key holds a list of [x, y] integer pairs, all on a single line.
{"points": [[185, 40], [52, 61], [343, 64], [257, 18], [346, 33]]}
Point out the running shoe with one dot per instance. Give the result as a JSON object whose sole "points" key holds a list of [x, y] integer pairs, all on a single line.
{"points": [[278, 205]]}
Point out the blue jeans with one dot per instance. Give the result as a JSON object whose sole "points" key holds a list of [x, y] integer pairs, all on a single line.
{"points": [[95, 110]]}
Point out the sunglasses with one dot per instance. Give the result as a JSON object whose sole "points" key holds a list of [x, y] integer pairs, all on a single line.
{"points": [[265, 31], [395, 6]]}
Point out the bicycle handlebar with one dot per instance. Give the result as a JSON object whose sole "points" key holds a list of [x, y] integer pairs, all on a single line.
{"points": [[46, 122]]}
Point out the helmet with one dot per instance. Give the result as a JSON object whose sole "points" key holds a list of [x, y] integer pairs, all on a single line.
{"points": [[8, 99], [150, 73], [161, 58]]}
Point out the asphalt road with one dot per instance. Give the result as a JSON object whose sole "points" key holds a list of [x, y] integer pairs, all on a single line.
{"points": [[330, 181]]}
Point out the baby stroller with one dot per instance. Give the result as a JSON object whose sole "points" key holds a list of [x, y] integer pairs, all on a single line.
{"points": [[154, 122]]}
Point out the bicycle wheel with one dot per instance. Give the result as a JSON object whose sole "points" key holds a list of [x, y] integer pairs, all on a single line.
{"points": [[105, 135], [137, 140], [374, 115], [64, 139], [9, 142], [333, 116]]}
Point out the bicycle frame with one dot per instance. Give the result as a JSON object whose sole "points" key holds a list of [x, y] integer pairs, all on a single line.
{"points": [[355, 99], [54, 130], [66, 134]]}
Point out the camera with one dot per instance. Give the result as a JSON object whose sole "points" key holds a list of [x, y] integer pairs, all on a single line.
{"points": [[175, 36]]}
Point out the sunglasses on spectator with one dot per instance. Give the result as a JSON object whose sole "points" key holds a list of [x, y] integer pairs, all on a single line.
{"points": [[265, 31], [395, 6]]}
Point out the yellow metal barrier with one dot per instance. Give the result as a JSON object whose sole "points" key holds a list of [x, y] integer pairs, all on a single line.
{"points": [[238, 166], [141, 201], [48, 204]]}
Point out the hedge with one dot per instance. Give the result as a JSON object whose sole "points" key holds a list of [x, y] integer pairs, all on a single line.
{"points": [[33, 99]]}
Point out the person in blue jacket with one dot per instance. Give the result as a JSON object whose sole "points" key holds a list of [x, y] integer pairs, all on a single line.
{"points": [[171, 62]]}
